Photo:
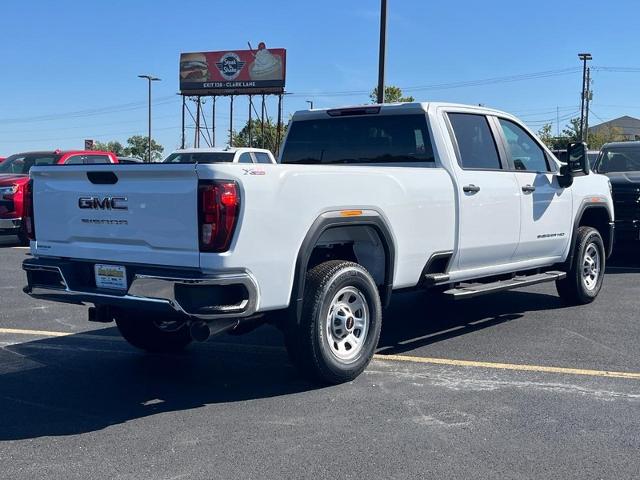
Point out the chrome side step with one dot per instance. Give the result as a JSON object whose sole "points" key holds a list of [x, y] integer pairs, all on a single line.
{"points": [[433, 279], [470, 290]]}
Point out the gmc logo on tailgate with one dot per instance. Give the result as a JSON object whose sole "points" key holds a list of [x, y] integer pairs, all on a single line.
{"points": [[105, 203]]}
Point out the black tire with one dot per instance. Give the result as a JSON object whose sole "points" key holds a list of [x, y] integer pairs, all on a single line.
{"points": [[142, 330], [23, 239], [573, 289], [309, 342]]}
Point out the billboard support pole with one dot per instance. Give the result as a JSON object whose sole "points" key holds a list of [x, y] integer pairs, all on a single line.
{"points": [[183, 107], [249, 124], [279, 127], [231, 123], [196, 140], [262, 122], [213, 121]]}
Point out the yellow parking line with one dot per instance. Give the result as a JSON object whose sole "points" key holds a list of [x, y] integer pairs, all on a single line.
{"points": [[508, 366], [423, 360], [40, 333]]}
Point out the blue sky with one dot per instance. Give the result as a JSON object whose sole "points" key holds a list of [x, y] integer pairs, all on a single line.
{"points": [[69, 68]]}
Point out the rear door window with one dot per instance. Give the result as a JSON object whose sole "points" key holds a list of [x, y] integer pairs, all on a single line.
{"points": [[476, 145], [262, 157], [96, 159], [362, 139], [245, 158], [87, 160]]}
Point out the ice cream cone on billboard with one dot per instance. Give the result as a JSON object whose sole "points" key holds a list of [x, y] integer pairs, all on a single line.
{"points": [[266, 66]]}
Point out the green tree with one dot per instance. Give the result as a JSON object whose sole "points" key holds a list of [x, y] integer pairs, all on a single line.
{"points": [[544, 134], [571, 131], [137, 146], [258, 140], [113, 146], [392, 94]]}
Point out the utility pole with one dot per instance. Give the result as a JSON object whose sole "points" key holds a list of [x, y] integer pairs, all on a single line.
{"points": [[557, 121], [586, 109], [150, 79], [382, 49], [584, 57]]}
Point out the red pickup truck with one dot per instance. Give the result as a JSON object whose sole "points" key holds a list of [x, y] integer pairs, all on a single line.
{"points": [[14, 176]]}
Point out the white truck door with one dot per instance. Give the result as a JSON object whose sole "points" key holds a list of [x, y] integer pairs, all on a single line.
{"points": [[488, 193], [546, 208]]}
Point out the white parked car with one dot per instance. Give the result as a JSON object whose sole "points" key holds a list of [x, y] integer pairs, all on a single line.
{"points": [[221, 155], [365, 201]]}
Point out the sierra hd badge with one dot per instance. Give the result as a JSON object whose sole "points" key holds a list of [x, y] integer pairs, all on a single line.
{"points": [[230, 65]]}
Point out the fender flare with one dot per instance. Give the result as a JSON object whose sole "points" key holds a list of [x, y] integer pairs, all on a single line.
{"points": [[581, 211], [326, 221]]}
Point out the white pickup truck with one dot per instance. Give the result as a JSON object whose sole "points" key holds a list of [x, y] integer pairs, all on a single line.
{"points": [[365, 200]]}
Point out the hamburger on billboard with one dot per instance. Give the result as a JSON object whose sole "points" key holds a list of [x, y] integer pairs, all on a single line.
{"points": [[233, 72]]}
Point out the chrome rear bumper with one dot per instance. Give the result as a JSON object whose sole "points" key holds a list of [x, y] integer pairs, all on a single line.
{"points": [[10, 223], [203, 296]]}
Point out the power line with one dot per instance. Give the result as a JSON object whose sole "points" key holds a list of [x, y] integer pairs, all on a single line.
{"points": [[90, 112], [442, 86], [77, 137]]}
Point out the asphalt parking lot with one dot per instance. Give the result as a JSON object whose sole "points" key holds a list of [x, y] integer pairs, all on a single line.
{"points": [[514, 385]]}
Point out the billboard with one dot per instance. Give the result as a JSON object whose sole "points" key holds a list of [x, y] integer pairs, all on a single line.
{"points": [[233, 72]]}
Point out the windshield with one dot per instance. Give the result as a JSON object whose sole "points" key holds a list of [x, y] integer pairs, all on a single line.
{"points": [[616, 159], [200, 157], [21, 164], [359, 139]]}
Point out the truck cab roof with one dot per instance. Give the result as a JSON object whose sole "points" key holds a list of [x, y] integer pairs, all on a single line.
{"points": [[391, 109]]}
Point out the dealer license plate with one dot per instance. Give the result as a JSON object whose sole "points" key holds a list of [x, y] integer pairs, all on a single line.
{"points": [[111, 276]]}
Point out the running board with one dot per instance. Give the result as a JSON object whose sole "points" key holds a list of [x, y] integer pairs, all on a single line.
{"points": [[475, 289]]}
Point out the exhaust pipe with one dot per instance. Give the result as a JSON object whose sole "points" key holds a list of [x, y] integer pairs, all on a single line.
{"points": [[201, 330]]}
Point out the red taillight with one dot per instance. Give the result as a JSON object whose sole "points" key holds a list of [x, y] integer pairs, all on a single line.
{"points": [[27, 217], [218, 210]]}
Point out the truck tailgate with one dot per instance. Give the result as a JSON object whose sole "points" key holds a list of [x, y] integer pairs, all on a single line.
{"points": [[144, 214]]}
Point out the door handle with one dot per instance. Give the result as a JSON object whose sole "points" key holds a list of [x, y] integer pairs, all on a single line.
{"points": [[528, 189], [470, 188]]}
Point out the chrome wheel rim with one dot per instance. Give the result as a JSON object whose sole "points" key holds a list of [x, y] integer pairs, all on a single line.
{"points": [[591, 266], [347, 324]]}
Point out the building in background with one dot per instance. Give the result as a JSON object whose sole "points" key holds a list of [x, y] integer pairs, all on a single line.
{"points": [[623, 129]]}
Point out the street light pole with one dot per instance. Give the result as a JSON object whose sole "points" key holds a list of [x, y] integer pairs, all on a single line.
{"points": [[150, 79], [584, 57], [310, 102]]}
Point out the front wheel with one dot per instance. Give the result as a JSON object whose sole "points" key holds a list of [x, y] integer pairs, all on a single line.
{"points": [[152, 333], [340, 323], [584, 280]]}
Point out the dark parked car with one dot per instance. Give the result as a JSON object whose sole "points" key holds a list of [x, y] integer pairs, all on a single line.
{"points": [[592, 155], [620, 161]]}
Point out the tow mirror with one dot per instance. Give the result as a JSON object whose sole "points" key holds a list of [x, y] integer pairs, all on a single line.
{"points": [[565, 179], [578, 161]]}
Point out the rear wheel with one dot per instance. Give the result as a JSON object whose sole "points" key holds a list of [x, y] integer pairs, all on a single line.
{"points": [[23, 239], [584, 279], [340, 323], [152, 333]]}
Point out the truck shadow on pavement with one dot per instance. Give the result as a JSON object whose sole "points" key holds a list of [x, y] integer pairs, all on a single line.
{"points": [[83, 383], [421, 319], [90, 381]]}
